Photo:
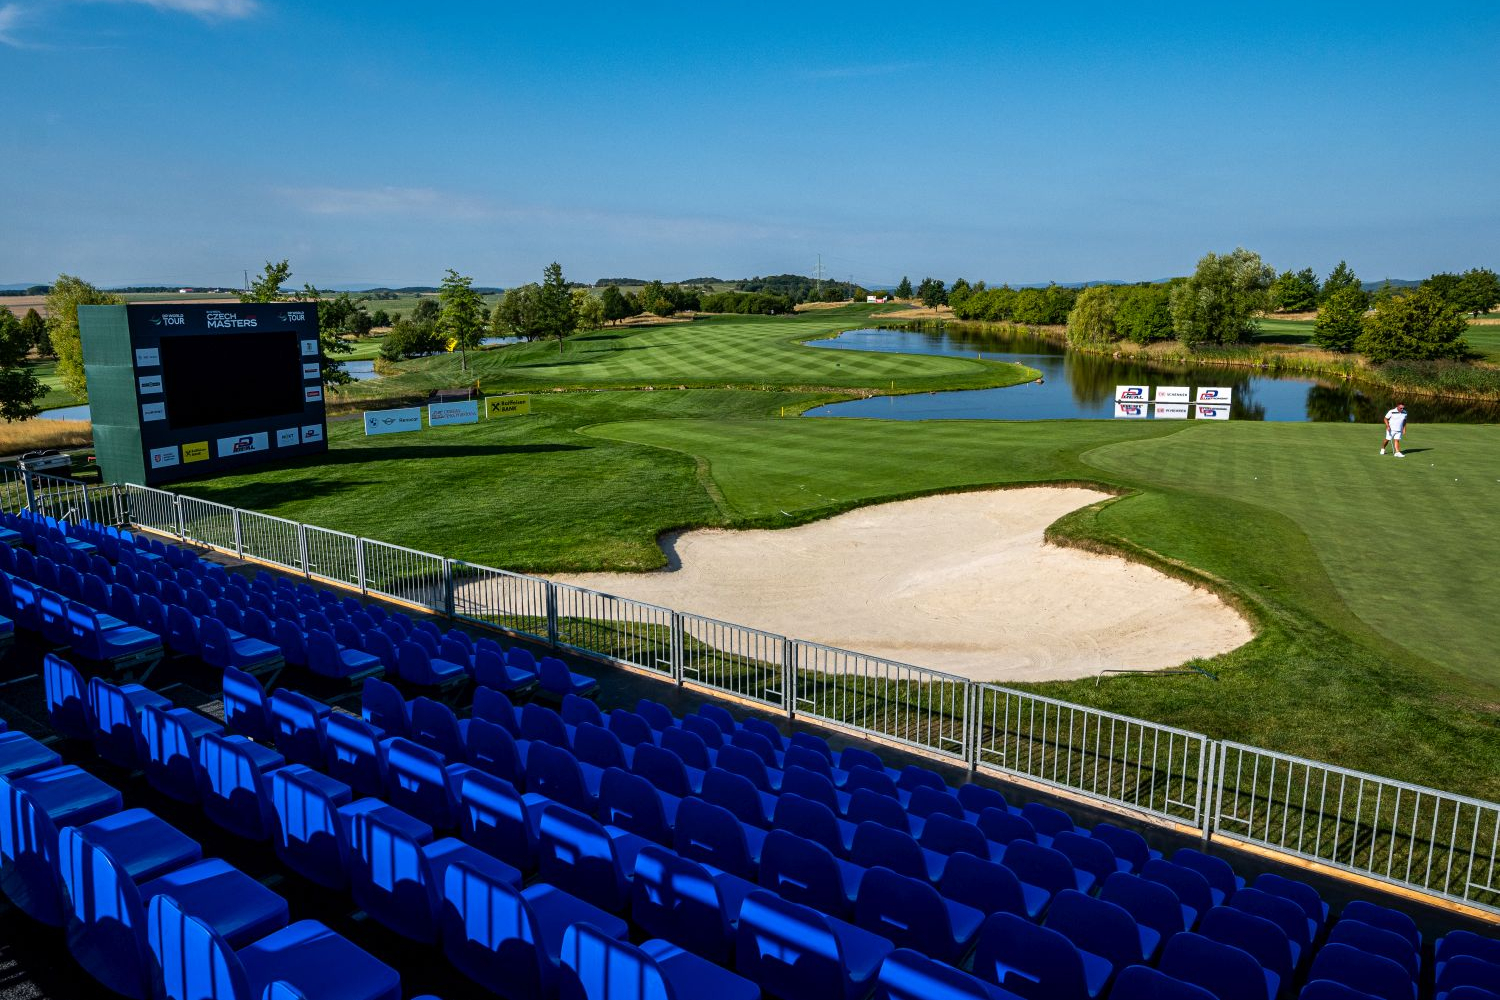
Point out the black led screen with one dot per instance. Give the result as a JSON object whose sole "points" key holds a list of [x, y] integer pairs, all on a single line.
{"points": [[230, 377]]}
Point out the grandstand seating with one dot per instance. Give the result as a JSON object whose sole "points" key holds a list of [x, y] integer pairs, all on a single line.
{"points": [[579, 852]]}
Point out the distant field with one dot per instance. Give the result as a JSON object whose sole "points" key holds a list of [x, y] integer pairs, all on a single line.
{"points": [[1483, 337]]}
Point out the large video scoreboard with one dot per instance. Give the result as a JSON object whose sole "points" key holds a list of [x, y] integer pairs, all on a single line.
{"points": [[190, 390]]}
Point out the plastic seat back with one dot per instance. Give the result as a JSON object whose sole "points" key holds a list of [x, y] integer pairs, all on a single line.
{"points": [[354, 755], [490, 935], [493, 819], [195, 962], [862, 777], [688, 746], [1191, 888], [1218, 872], [182, 630], [1227, 972], [1279, 910], [594, 964], [117, 730], [1096, 926], [1039, 866], [576, 854], [676, 900], [796, 780], [711, 835], [657, 715], [1086, 854], [738, 760], [555, 773], [391, 879], [494, 706], [68, 707], [105, 916], [1370, 973], [417, 784], [800, 756], [1140, 982], [629, 802], [630, 728], [235, 794], [803, 872], [946, 835], [664, 769], [382, 706], [705, 729], [171, 743], [1151, 904], [927, 801], [434, 725], [789, 950], [1128, 845], [246, 710], [866, 806], [492, 749], [576, 710], [809, 820], [598, 746], [1265, 942], [736, 793], [877, 844], [907, 912], [986, 885], [1047, 820], [1028, 959], [310, 837], [541, 723], [1388, 919], [297, 722], [758, 744], [379, 645]]}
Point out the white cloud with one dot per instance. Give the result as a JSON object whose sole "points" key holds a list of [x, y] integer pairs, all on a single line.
{"points": [[206, 9], [861, 70], [11, 16]]}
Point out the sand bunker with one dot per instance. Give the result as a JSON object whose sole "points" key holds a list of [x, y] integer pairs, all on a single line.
{"points": [[962, 583]]}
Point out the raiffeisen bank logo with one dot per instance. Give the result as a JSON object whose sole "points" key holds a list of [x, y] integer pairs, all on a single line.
{"points": [[228, 321]]}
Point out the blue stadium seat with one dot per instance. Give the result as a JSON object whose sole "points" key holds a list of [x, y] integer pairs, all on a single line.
{"points": [[417, 666], [454, 651], [977, 798], [878, 781], [326, 657], [1221, 877], [1101, 931], [1375, 941], [171, 738], [1327, 989], [356, 755], [946, 835], [1139, 982], [1388, 919], [541, 723], [798, 780], [198, 964], [397, 869], [927, 802], [510, 942], [434, 725], [68, 707], [820, 764], [221, 648], [1130, 848], [1190, 888], [1263, 940], [33, 807], [108, 640], [498, 819], [739, 795], [909, 913], [117, 715], [297, 722], [598, 746], [596, 966], [557, 680], [493, 749], [421, 785], [1004, 827], [576, 710], [182, 629], [1035, 962], [290, 638], [875, 844], [754, 740], [1282, 912], [812, 821], [796, 953], [990, 887], [1151, 904], [808, 874], [106, 908], [767, 730], [491, 670], [20, 754], [1372, 974], [659, 716], [711, 835], [314, 815], [727, 724], [629, 802], [1227, 972], [234, 783], [694, 741], [631, 728], [1300, 893], [380, 646], [691, 905], [866, 806], [1046, 820], [738, 760], [494, 706], [585, 858], [909, 975], [665, 770], [382, 706], [1086, 855], [1044, 867], [1457, 943], [559, 776], [1460, 974]]}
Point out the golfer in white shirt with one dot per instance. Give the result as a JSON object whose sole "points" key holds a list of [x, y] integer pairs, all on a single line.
{"points": [[1395, 423]]}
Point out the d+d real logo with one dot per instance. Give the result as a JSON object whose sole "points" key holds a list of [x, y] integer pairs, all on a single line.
{"points": [[1134, 392], [1131, 409], [1207, 411]]}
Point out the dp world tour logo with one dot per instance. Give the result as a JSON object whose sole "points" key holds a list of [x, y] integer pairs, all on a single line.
{"points": [[1134, 392], [292, 316]]}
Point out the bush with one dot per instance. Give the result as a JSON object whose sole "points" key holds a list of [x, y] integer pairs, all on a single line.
{"points": [[745, 303], [1092, 320], [1219, 303], [1416, 327], [1341, 320], [1144, 313], [410, 340]]}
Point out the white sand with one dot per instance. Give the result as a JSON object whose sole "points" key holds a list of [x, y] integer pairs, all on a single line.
{"points": [[962, 583]]}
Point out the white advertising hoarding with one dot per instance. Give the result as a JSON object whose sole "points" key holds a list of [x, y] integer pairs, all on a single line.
{"points": [[1131, 411], [443, 414], [287, 437], [164, 458], [1211, 412], [312, 432], [149, 385], [153, 411], [1133, 393], [1215, 395], [244, 444], [407, 418], [1170, 411], [147, 357], [1173, 394]]}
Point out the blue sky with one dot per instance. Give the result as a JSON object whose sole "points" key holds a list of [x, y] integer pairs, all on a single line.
{"points": [[186, 140]]}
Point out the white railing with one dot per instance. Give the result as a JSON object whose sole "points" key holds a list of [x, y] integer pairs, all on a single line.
{"points": [[1419, 838]]}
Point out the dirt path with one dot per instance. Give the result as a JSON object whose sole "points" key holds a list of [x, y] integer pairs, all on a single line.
{"points": [[962, 583]]}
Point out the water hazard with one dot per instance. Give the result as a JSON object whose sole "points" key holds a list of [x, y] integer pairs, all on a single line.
{"points": [[1078, 386]]}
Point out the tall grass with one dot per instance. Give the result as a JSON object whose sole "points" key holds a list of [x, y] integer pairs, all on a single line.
{"points": [[30, 435]]}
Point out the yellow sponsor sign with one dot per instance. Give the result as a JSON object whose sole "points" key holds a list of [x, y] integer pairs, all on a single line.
{"points": [[195, 452], [506, 406]]}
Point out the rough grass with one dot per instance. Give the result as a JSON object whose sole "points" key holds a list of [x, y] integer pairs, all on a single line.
{"points": [[29, 435]]}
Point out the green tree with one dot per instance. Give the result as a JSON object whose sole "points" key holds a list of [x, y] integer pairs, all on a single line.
{"points": [[267, 286], [460, 320], [1144, 313], [1342, 276], [1295, 291], [614, 304], [408, 339], [515, 314], [1341, 319], [959, 294], [589, 308], [1219, 303], [1478, 290], [1092, 320], [1416, 327], [380, 318], [63, 300], [903, 290], [19, 387], [1446, 286], [34, 329], [656, 300], [555, 315], [932, 293], [427, 310]]}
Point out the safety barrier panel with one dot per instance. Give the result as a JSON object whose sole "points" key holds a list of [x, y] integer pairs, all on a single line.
{"points": [[1408, 835], [1423, 839], [1148, 767]]}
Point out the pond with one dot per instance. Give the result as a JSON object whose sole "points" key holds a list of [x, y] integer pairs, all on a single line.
{"points": [[1078, 386]]}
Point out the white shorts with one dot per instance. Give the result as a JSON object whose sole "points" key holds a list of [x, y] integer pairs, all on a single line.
{"points": [[1393, 435]]}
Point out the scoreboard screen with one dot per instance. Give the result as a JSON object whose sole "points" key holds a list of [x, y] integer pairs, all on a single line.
{"points": [[178, 391]]}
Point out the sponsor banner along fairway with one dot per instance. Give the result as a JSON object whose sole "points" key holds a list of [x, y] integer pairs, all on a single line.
{"points": [[506, 406], [1173, 394], [1211, 412], [1215, 395], [1171, 411], [1131, 411], [1132, 393], [443, 414], [397, 421]]}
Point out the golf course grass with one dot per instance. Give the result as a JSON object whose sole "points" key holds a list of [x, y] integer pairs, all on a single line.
{"points": [[1367, 579]]}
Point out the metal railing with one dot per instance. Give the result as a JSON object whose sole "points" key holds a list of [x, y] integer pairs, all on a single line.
{"points": [[1434, 842], [1149, 767], [1405, 834]]}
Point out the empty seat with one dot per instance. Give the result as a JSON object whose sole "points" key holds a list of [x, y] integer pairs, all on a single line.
{"points": [[559, 776], [1264, 941], [234, 784], [381, 705], [434, 725], [632, 730], [198, 964], [582, 857], [33, 807], [66, 693], [219, 648], [1004, 827], [510, 941], [738, 760], [1187, 885], [1375, 941], [946, 835], [806, 873], [171, 738], [497, 819], [1461, 975], [1282, 912], [1221, 878], [866, 806], [123, 646], [1035, 962], [812, 821], [493, 749], [909, 975], [1101, 931], [557, 680], [1142, 983], [1388, 919], [1151, 904], [1087, 855], [797, 953], [314, 815], [576, 710], [356, 755], [419, 784], [629, 802], [417, 666], [927, 801], [665, 770], [909, 913], [1044, 867], [990, 887], [541, 723], [491, 670], [326, 657], [247, 711], [396, 870], [117, 718], [710, 834], [875, 844], [682, 901], [20, 754], [298, 725], [659, 716], [1227, 972], [1360, 970], [598, 746], [1300, 893], [596, 966]]}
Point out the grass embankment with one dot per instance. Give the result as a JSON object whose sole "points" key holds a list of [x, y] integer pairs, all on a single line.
{"points": [[1367, 578]]}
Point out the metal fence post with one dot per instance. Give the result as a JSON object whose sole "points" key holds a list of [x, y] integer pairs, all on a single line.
{"points": [[239, 542], [551, 614], [1216, 786], [448, 596], [677, 658], [971, 724], [181, 524], [30, 489], [789, 676], [302, 548], [359, 565]]}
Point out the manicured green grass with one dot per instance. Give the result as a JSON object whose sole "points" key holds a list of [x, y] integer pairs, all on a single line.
{"points": [[1367, 578], [1485, 339], [57, 395], [1283, 331]]}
